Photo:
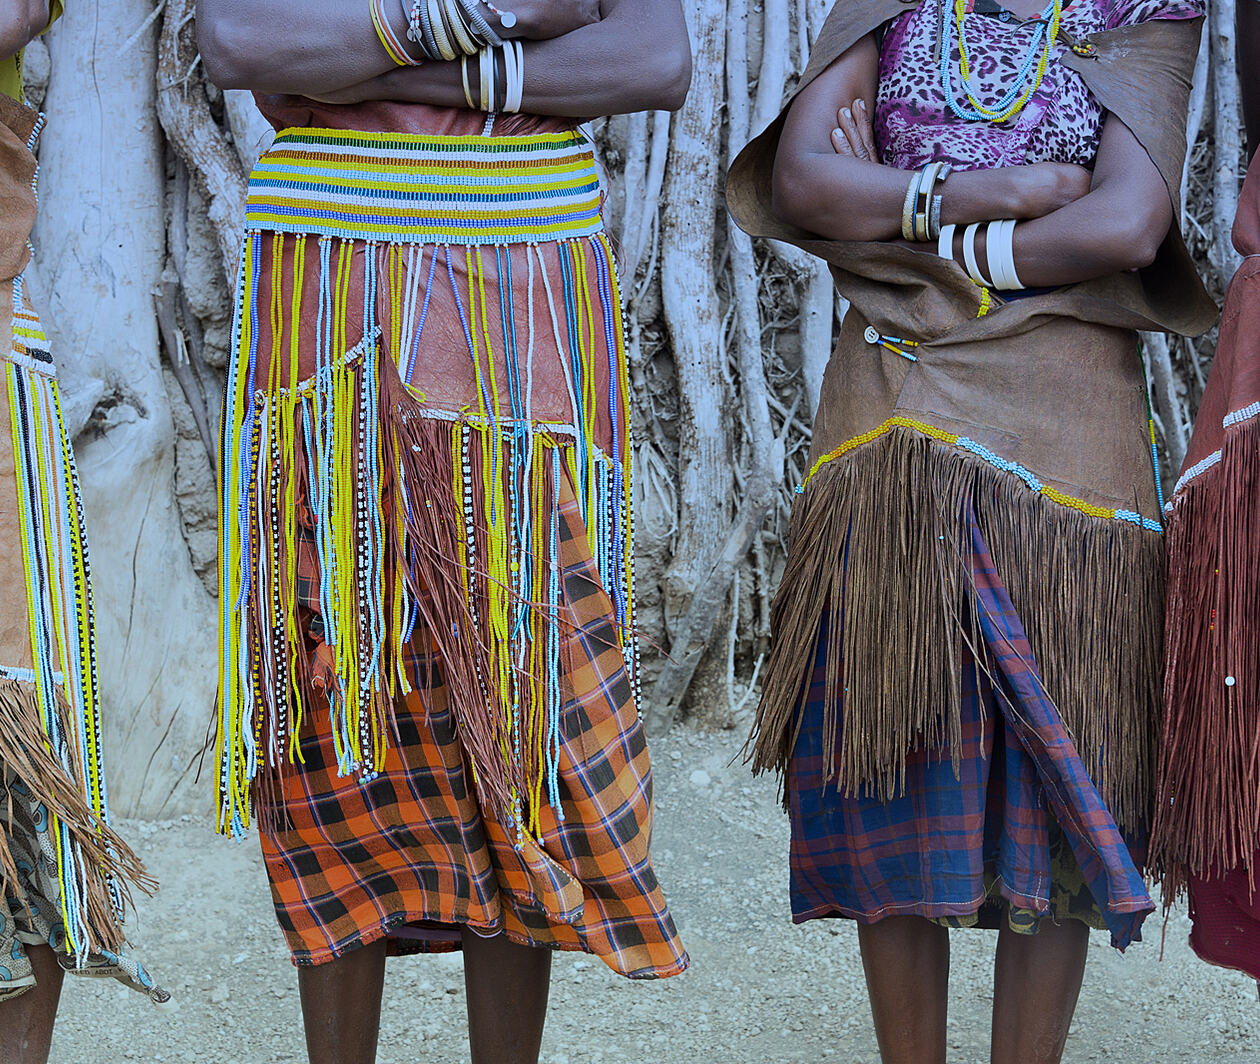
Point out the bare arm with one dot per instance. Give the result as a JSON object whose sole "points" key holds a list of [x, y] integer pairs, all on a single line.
{"points": [[1118, 226], [261, 44], [612, 65], [21, 21], [1115, 220], [1248, 19], [845, 197]]}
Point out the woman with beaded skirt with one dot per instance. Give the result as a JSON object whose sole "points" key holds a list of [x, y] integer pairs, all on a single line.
{"points": [[64, 872], [963, 691], [428, 680]]}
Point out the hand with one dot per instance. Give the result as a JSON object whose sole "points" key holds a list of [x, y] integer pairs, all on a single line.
{"points": [[545, 20], [1042, 188], [855, 133]]}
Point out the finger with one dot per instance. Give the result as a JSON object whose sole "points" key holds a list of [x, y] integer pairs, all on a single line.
{"points": [[866, 126], [841, 144], [854, 137]]}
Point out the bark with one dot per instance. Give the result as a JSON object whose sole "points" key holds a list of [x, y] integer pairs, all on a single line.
{"points": [[688, 254], [100, 245]]}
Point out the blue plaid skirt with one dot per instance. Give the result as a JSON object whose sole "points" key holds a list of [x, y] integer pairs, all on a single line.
{"points": [[1020, 827]]}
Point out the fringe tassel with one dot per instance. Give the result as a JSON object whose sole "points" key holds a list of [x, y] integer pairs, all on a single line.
{"points": [[876, 538], [1208, 809], [443, 523], [99, 859], [57, 698]]}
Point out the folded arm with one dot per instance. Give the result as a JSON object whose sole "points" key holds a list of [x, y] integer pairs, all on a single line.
{"points": [[21, 21], [607, 66], [1077, 225]]}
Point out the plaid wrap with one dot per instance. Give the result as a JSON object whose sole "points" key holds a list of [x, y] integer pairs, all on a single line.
{"points": [[411, 855], [948, 844]]}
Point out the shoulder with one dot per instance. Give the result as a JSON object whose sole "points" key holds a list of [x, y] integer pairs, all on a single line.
{"points": [[1119, 13]]}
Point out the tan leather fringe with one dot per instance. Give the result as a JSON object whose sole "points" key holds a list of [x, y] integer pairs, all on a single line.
{"points": [[1208, 809], [876, 538], [24, 754]]}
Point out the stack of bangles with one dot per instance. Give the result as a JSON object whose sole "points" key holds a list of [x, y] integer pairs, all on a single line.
{"points": [[921, 214], [999, 246], [446, 30]]}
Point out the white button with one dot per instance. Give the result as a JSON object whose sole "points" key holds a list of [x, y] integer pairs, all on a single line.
{"points": [[872, 334], [1230, 681]]}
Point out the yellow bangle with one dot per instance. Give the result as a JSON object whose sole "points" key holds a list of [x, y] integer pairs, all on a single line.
{"points": [[389, 39]]}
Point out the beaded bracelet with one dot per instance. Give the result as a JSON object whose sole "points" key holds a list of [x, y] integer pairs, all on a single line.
{"points": [[446, 29], [478, 27]]}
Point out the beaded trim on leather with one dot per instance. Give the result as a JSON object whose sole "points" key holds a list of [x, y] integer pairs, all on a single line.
{"points": [[998, 462]]}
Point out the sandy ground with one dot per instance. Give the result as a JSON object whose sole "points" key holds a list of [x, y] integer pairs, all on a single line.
{"points": [[759, 990]]}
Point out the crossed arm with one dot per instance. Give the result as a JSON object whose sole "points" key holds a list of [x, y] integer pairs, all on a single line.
{"points": [[1076, 225], [21, 21], [582, 57]]}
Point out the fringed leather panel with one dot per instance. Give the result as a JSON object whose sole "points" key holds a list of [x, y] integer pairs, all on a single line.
{"points": [[876, 539]]}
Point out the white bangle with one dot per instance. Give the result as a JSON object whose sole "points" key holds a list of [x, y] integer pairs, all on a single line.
{"points": [[1000, 251], [969, 255], [945, 244], [489, 93], [463, 69], [992, 243], [514, 73], [1009, 253]]}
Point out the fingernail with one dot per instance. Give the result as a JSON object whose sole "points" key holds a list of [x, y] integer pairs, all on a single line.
{"points": [[845, 111], [837, 133], [862, 104]]}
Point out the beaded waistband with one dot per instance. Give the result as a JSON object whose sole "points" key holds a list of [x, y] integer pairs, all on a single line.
{"points": [[409, 189]]}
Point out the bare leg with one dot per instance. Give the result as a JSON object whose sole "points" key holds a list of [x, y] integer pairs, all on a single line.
{"points": [[906, 959], [26, 1021], [341, 1006], [507, 986], [1036, 981]]}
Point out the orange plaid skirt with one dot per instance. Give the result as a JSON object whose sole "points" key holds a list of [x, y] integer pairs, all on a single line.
{"points": [[411, 854]]}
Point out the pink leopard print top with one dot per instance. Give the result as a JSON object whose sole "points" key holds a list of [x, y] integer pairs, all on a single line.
{"points": [[1061, 123]]}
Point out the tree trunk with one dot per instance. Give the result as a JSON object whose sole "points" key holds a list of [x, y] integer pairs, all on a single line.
{"points": [[100, 246]]}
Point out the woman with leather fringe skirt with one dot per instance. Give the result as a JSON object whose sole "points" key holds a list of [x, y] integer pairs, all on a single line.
{"points": [[963, 691]]}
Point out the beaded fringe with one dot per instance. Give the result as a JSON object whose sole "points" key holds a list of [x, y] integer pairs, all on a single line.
{"points": [[1208, 809], [876, 540], [57, 697], [429, 524]]}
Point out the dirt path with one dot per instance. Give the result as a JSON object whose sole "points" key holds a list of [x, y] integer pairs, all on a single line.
{"points": [[760, 990]]}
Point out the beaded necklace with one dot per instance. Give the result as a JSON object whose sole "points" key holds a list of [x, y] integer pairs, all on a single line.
{"points": [[1032, 67]]}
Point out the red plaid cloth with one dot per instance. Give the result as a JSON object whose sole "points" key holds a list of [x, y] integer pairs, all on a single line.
{"points": [[949, 845], [411, 855]]}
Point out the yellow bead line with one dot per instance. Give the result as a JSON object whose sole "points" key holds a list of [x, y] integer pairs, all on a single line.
{"points": [[1029, 478]]}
